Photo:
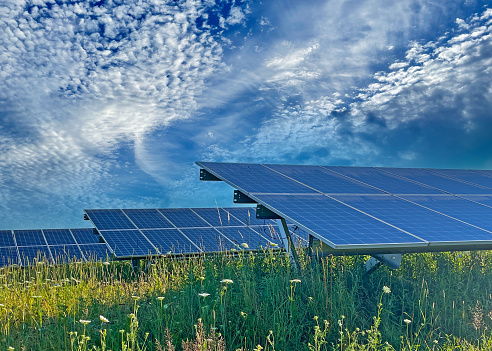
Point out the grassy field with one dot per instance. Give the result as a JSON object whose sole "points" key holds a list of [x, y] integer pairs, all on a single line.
{"points": [[439, 301]]}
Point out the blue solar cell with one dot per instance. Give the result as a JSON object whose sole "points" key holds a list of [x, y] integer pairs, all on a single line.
{"points": [[32, 254], [85, 236], [246, 238], [8, 256], [109, 219], [96, 252], [6, 238], [464, 210], [216, 217], [170, 241], [247, 215], [208, 239], [255, 178], [335, 223], [58, 236], [426, 224], [467, 176], [183, 217], [324, 180], [29, 237], [481, 199], [383, 180], [148, 219], [302, 234], [485, 172], [438, 181], [66, 253], [128, 243]]}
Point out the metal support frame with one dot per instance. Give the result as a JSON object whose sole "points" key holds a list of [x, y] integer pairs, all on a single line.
{"points": [[241, 198], [288, 243], [393, 261], [206, 175]]}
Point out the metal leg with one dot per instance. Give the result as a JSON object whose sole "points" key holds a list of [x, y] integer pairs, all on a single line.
{"points": [[287, 241]]}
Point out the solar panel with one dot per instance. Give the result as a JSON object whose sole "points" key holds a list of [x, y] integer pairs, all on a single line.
{"points": [[85, 236], [128, 243], [95, 252], [170, 241], [109, 219], [422, 215], [255, 178], [32, 254], [246, 237], [66, 253], [437, 181], [247, 216], [29, 237], [6, 238], [147, 219], [8, 256], [183, 217], [324, 180], [208, 239], [382, 180], [336, 223], [217, 217], [466, 176], [58, 236]]}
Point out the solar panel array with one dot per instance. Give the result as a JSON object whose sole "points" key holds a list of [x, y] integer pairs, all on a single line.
{"points": [[135, 233], [372, 208], [25, 247]]}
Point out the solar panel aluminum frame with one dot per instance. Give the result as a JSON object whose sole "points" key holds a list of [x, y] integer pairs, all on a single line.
{"points": [[333, 249]]}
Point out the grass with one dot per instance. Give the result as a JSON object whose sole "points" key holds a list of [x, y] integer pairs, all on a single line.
{"points": [[435, 301]]}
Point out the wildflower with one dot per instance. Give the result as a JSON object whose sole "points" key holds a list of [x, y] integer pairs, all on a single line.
{"points": [[244, 315], [2, 305], [310, 298], [273, 244], [295, 281], [10, 348], [37, 296], [407, 321], [136, 297], [160, 298], [84, 321], [103, 319], [226, 281], [386, 290], [204, 294], [245, 246], [106, 263]]}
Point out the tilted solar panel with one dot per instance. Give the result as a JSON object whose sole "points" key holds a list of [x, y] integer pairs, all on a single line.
{"points": [[183, 217], [110, 219], [96, 252], [58, 236], [128, 243], [6, 238], [216, 217], [8, 256], [208, 239], [247, 216], [170, 241], [31, 254], [66, 253], [29, 237], [85, 236], [420, 210], [147, 218]]}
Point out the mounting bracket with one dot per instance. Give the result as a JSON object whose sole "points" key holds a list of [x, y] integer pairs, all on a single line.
{"points": [[240, 198], [393, 261], [263, 212], [206, 175]]}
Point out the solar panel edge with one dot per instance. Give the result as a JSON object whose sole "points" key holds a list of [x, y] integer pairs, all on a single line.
{"points": [[458, 179]]}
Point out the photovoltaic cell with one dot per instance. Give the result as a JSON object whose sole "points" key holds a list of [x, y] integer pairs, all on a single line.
{"points": [[255, 178], [6, 238], [336, 223], [58, 236], [246, 237], [183, 217], [65, 253], [439, 182], [128, 243], [32, 254], [170, 241], [148, 218], [481, 199], [85, 236], [383, 180], [467, 176], [8, 256], [428, 225], [324, 180], [216, 217], [96, 252], [29, 237], [109, 219], [208, 239]]}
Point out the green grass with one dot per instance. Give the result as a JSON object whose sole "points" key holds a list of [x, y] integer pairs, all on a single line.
{"points": [[438, 301]]}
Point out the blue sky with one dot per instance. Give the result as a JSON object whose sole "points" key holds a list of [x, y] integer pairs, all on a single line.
{"points": [[107, 104]]}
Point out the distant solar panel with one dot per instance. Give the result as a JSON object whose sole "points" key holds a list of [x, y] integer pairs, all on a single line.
{"points": [[128, 243], [29, 237], [208, 239], [183, 217], [31, 254], [341, 212], [6, 238], [110, 219], [66, 253], [247, 215], [85, 236], [247, 237], [216, 217], [8, 256], [147, 218], [170, 241], [58, 236], [96, 252]]}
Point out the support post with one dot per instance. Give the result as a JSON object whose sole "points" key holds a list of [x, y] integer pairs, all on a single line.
{"points": [[393, 261], [288, 243]]}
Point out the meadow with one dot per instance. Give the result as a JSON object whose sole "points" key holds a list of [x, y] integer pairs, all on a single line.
{"points": [[250, 301]]}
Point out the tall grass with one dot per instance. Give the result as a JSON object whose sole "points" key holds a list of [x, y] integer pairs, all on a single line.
{"points": [[250, 302]]}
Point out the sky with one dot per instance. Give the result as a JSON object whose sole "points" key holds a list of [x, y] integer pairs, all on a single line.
{"points": [[108, 104]]}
